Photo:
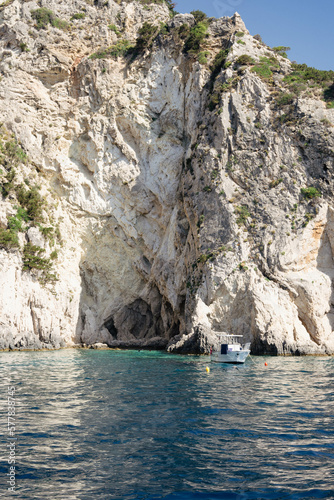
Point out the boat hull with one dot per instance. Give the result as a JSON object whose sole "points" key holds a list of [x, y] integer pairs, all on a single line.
{"points": [[235, 357]]}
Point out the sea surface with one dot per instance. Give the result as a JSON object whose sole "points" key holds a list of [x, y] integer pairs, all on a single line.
{"points": [[146, 425]]}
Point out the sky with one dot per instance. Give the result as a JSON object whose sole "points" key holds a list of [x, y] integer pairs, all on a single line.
{"points": [[304, 25]]}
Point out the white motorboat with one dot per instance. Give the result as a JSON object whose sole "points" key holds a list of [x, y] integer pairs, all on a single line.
{"points": [[229, 349]]}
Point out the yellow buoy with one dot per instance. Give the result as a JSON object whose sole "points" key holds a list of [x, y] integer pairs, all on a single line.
{"points": [[207, 369]]}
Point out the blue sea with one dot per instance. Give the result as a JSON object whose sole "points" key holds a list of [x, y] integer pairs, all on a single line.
{"points": [[146, 425]]}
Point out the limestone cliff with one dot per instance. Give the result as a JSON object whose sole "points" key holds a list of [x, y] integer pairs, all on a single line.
{"points": [[183, 176]]}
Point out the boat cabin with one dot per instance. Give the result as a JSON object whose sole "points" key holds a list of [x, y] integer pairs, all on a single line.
{"points": [[229, 349], [229, 343]]}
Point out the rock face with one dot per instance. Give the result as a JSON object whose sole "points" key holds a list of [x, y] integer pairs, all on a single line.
{"points": [[175, 185]]}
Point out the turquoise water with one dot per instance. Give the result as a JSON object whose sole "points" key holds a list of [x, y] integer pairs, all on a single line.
{"points": [[146, 425]]}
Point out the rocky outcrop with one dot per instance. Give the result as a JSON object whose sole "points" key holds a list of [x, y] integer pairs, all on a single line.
{"points": [[175, 181]]}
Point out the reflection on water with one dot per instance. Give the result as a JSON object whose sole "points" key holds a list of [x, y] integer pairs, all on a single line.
{"points": [[146, 425]]}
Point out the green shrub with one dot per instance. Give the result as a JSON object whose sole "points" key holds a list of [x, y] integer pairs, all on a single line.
{"points": [[15, 223], [171, 7], [24, 47], [101, 54], [113, 28], [54, 255], [308, 217], [44, 17], [148, 2], [202, 57], [214, 101], [282, 51], [243, 267], [243, 213], [60, 24], [241, 42], [310, 192], [11, 156], [169, 4], [306, 73], [183, 31], [288, 118], [48, 278], [240, 34], [285, 99], [8, 239], [244, 60], [203, 258], [218, 63], [163, 29], [47, 232], [196, 37], [275, 183], [146, 36], [13, 153], [32, 258], [79, 15], [120, 49], [33, 261], [32, 201], [227, 85], [22, 214], [7, 184], [304, 76], [264, 67], [198, 15]]}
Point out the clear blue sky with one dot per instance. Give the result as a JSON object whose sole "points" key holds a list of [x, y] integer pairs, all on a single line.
{"points": [[307, 26]]}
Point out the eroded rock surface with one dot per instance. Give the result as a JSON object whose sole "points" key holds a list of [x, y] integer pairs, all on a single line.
{"points": [[176, 188]]}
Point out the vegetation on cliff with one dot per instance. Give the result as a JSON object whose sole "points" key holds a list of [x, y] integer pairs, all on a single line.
{"points": [[44, 17], [30, 209]]}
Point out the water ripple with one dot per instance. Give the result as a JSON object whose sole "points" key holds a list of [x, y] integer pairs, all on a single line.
{"points": [[144, 425]]}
